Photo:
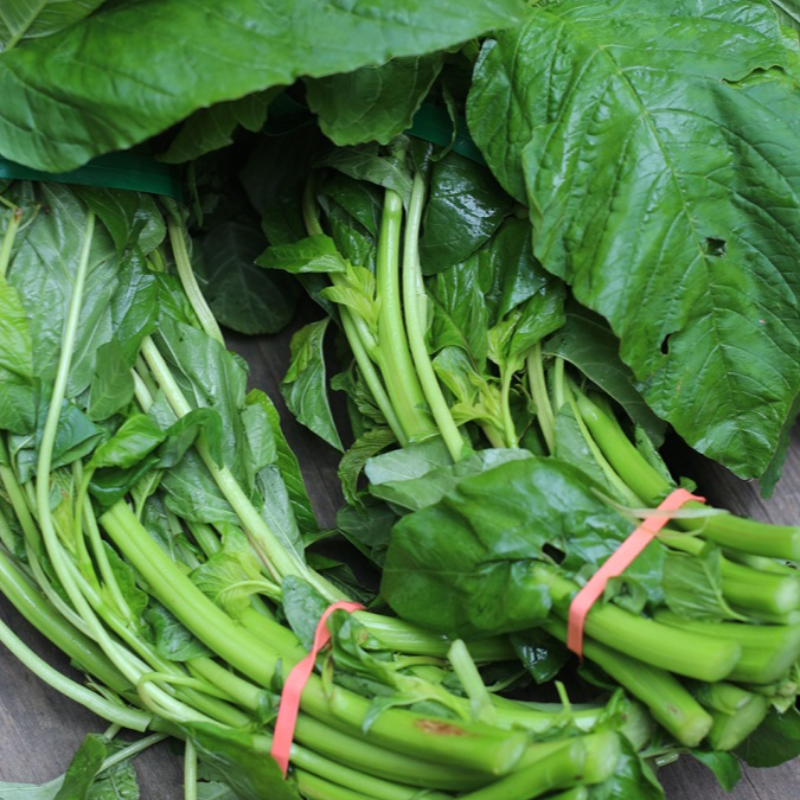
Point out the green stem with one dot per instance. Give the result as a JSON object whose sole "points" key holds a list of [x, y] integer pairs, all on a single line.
{"points": [[25, 597], [749, 536], [509, 430], [186, 274], [8, 240], [396, 363], [189, 771], [617, 484], [351, 751], [541, 400], [768, 651], [706, 658], [667, 700], [113, 712], [471, 682], [413, 298], [481, 747], [371, 377]]}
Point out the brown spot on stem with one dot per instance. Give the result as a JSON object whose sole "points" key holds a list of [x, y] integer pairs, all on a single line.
{"points": [[439, 728]]}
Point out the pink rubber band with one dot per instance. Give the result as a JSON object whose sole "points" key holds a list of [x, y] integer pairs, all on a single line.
{"points": [[293, 687], [616, 564]]}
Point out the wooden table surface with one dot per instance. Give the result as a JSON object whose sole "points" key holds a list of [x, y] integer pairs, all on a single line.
{"points": [[40, 729]]}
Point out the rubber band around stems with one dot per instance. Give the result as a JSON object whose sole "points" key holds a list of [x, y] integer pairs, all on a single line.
{"points": [[293, 687], [617, 563]]}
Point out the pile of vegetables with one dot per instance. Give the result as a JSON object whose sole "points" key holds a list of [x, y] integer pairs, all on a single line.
{"points": [[540, 238]]}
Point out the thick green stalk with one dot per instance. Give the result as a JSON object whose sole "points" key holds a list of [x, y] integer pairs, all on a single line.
{"points": [[749, 536], [189, 771], [414, 297], [541, 400], [706, 658], [396, 365], [587, 760], [475, 745], [8, 240], [113, 712], [666, 698], [395, 634], [731, 729], [768, 651], [25, 597], [509, 431], [371, 377], [189, 282], [343, 748]]}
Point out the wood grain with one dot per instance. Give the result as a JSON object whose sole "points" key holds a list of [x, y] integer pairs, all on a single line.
{"points": [[40, 729]]}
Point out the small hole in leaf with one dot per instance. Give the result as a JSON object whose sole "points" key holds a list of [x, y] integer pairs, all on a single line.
{"points": [[715, 247], [553, 552], [665, 344]]}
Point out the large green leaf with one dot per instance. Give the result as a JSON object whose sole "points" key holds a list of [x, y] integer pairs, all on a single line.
{"points": [[659, 177], [30, 19], [241, 295], [375, 103], [135, 69]]}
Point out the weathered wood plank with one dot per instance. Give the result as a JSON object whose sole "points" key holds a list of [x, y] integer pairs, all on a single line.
{"points": [[40, 729]]}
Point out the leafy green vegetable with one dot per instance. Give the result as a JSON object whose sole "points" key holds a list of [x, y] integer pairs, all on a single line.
{"points": [[304, 388], [31, 19], [658, 206], [374, 103], [242, 296], [114, 95]]}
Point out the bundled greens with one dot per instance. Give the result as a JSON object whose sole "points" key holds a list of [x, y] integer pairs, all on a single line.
{"points": [[540, 238], [518, 477], [148, 528]]}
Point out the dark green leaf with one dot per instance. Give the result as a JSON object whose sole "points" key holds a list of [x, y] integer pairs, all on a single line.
{"points": [[136, 438], [115, 94], [242, 296], [211, 129], [465, 208], [193, 495], [658, 191], [369, 444], [287, 463], [132, 218], [725, 766], [182, 434], [43, 274], [303, 607], [365, 163], [693, 585], [112, 387], [304, 386], [231, 576], [775, 741], [416, 493], [16, 346], [540, 654], [31, 19], [368, 526], [463, 564], [374, 103], [312, 254], [411, 462], [83, 769]]}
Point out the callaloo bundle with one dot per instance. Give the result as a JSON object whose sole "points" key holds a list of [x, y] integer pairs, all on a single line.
{"points": [[153, 525], [528, 454]]}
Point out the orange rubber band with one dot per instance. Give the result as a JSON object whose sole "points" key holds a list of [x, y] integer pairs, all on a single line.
{"points": [[293, 688], [616, 564]]}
